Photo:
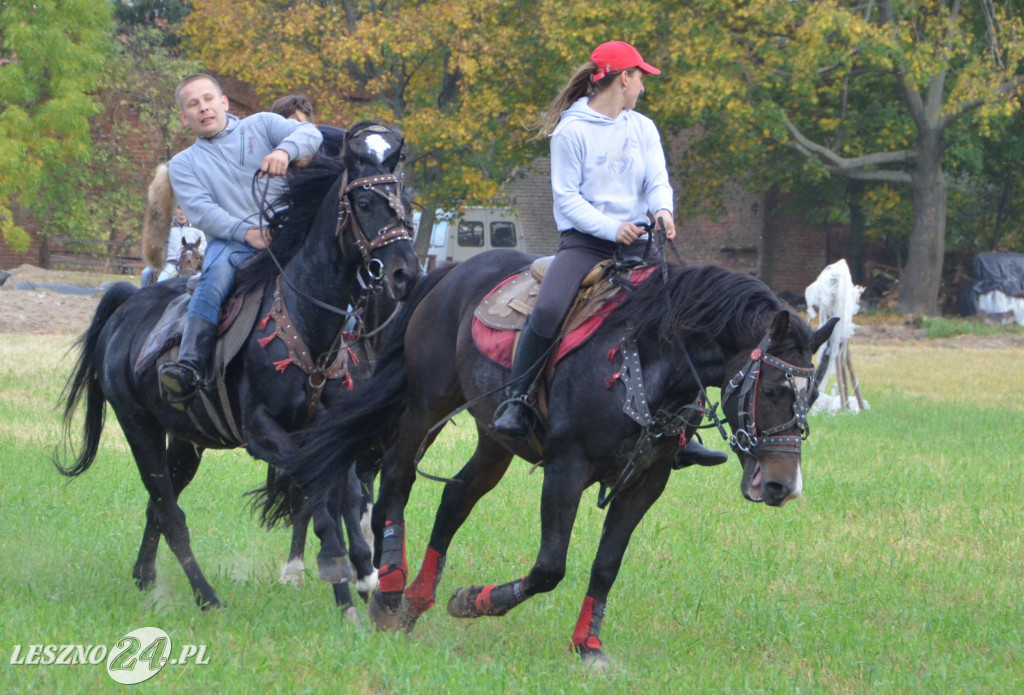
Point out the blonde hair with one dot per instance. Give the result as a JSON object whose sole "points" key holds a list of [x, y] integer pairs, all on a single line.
{"points": [[579, 85]]}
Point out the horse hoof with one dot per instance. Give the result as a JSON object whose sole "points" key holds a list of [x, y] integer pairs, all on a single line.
{"points": [[294, 573], [210, 604], [352, 615], [385, 610], [462, 604], [593, 659], [335, 570]]}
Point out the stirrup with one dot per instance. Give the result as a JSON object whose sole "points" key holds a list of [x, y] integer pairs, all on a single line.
{"points": [[525, 418], [179, 382]]}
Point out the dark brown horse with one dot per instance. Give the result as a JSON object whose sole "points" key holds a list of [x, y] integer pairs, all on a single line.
{"points": [[618, 405], [346, 224]]}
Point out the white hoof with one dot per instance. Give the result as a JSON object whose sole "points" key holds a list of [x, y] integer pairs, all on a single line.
{"points": [[368, 583], [294, 572]]}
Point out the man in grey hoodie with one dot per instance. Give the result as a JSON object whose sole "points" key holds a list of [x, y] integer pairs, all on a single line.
{"points": [[212, 180]]}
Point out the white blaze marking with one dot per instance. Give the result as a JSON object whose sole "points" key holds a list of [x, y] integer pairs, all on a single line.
{"points": [[379, 146]]}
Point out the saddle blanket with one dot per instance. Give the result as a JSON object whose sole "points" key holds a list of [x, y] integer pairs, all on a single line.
{"points": [[500, 316]]}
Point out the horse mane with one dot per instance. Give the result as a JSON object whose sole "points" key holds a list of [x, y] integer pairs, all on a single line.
{"points": [[291, 219], [696, 304], [156, 224]]}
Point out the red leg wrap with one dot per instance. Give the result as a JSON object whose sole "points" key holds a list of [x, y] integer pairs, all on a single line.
{"points": [[422, 591], [483, 599], [589, 625]]}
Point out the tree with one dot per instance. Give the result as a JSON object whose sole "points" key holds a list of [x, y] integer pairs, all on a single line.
{"points": [[884, 92], [454, 75], [52, 56]]}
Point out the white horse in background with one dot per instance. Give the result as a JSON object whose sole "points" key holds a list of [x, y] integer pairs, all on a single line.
{"points": [[834, 294]]}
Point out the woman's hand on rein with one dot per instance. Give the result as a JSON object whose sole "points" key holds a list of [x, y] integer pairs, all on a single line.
{"points": [[628, 233]]}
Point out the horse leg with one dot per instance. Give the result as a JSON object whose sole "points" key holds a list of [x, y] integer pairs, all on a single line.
{"points": [[294, 570], [397, 477], [624, 513], [359, 552], [481, 473], [183, 462], [146, 440], [565, 478]]}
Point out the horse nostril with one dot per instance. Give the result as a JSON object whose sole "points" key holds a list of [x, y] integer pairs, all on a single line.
{"points": [[775, 492], [400, 281]]}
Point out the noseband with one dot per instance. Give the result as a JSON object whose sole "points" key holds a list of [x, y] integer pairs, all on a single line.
{"points": [[398, 230], [743, 386]]}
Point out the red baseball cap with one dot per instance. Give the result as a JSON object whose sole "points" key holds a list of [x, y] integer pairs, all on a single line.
{"points": [[613, 56]]}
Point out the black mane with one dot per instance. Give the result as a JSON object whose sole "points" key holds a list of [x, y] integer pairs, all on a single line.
{"points": [[291, 218], [696, 305]]}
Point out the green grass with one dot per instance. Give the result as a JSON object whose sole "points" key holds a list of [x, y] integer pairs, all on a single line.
{"points": [[945, 327], [899, 570]]}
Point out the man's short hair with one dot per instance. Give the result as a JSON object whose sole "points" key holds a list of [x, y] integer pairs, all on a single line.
{"points": [[190, 79], [287, 105]]}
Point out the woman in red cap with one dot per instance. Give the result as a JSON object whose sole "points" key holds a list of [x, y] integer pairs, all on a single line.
{"points": [[609, 180]]}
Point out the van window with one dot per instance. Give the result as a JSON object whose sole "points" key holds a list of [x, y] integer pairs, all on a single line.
{"points": [[471, 233], [503, 235]]}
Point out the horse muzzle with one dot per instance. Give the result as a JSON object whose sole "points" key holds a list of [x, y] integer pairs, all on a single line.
{"points": [[773, 482]]}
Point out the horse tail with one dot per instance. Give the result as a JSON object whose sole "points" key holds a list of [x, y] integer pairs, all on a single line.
{"points": [[278, 501], [84, 380], [156, 224], [364, 417]]}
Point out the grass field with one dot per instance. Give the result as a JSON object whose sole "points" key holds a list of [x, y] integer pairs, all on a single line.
{"points": [[899, 570]]}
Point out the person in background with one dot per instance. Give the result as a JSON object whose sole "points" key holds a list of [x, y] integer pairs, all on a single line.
{"points": [[298, 108], [610, 183], [214, 181], [180, 234]]}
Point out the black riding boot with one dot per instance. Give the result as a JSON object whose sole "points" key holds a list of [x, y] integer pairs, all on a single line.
{"points": [[512, 416], [695, 452], [179, 380]]}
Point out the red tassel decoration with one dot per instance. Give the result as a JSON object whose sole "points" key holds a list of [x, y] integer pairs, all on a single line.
{"points": [[612, 354], [263, 323], [352, 356], [282, 365], [610, 381], [264, 342]]}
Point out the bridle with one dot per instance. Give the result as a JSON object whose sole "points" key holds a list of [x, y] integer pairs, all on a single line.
{"points": [[398, 230], [743, 386]]}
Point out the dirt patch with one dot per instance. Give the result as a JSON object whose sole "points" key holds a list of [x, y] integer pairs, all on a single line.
{"points": [[43, 310]]}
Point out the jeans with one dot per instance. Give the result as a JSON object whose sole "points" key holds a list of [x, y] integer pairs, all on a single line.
{"points": [[218, 277]]}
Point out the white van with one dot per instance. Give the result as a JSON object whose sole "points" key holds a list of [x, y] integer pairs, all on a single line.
{"points": [[458, 235]]}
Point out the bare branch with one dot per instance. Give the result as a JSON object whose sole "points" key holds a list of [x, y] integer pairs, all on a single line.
{"points": [[810, 148]]}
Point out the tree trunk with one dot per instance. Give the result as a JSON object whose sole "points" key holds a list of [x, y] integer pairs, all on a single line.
{"points": [[919, 293], [422, 243]]}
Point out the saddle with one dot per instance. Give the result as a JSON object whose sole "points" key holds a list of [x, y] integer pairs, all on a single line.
{"points": [[237, 318], [499, 318]]}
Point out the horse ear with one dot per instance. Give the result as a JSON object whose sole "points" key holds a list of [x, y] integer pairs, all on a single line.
{"points": [[780, 327], [824, 333], [398, 156]]}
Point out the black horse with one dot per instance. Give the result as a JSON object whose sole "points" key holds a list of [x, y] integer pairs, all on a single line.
{"points": [[730, 327], [345, 225]]}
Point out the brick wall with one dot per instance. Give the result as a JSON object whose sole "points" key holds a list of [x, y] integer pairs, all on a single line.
{"points": [[145, 148]]}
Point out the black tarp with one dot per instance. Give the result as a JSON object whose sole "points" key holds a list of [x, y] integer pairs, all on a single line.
{"points": [[990, 272]]}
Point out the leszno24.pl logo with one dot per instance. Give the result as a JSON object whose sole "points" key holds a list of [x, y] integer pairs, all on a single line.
{"points": [[136, 657]]}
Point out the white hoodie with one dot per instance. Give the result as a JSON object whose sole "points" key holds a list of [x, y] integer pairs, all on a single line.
{"points": [[606, 171]]}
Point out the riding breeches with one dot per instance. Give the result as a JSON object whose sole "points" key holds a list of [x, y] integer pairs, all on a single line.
{"points": [[218, 277], [577, 254]]}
